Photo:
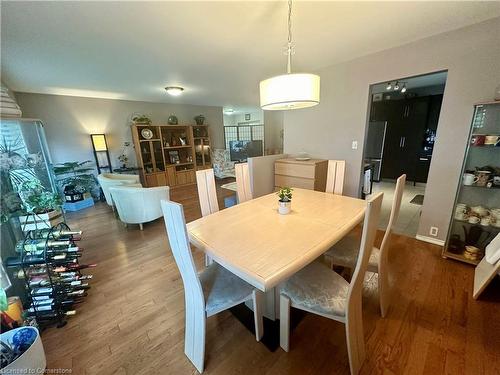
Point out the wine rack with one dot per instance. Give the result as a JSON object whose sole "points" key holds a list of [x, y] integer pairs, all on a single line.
{"points": [[48, 263]]}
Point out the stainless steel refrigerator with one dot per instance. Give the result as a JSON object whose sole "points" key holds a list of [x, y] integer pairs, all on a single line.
{"points": [[374, 148]]}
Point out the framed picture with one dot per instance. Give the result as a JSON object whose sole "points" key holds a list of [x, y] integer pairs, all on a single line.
{"points": [[247, 116], [174, 157]]}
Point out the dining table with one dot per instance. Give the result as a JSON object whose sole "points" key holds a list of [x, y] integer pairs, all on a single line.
{"points": [[264, 248]]}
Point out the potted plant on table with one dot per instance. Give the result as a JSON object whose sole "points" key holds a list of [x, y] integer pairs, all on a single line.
{"points": [[77, 177], [285, 200]]}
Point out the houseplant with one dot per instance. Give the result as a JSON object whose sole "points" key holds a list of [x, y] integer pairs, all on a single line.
{"points": [[141, 120], [285, 200], [42, 207], [78, 175]]}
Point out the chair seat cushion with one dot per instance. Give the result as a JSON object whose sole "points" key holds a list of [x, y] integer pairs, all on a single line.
{"points": [[345, 253], [222, 289], [318, 288]]}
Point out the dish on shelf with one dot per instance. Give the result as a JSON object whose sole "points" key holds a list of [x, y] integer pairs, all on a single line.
{"points": [[147, 133]]}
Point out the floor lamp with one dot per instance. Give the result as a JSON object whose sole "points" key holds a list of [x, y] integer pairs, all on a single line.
{"points": [[101, 152]]}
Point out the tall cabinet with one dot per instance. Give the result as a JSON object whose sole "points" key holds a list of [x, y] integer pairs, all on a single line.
{"points": [[168, 154], [476, 214], [408, 120]]}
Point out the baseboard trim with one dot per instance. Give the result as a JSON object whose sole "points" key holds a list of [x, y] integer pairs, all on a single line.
{"points": [[431, 240]]}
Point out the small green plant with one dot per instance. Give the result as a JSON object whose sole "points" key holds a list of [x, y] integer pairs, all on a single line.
{"points": [[77, 174], [141, 119], [36, 199], [285, 194]]}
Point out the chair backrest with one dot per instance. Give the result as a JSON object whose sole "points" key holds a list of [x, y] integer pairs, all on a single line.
{"points": [[396, 205], [207, 192], [335, 177], [261, 171], [137, 205], [370, 225], [175, 223], [243, 182], [106, 180]]}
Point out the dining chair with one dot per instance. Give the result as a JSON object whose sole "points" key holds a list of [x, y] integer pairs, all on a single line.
{"points": [[243, 185], [319, 290], [207, 194], [345, 252], [210, 292], [335, 177]]}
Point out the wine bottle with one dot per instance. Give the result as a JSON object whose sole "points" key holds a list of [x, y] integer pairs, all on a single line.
{"points": [[56, 234], [74, 267], [58, 250], [49, 314], [33, 245]]}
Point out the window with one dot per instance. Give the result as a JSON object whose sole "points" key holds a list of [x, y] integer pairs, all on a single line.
{"points": [[244, 133]]}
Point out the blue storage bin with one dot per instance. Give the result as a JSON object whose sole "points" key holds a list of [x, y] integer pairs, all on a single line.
{"points": [[77, 206]]}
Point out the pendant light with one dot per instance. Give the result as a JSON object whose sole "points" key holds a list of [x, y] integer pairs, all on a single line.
{"points": [[289, 91]]}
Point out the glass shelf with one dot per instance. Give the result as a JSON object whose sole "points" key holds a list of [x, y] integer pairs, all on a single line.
{"points": [[464, 237]]}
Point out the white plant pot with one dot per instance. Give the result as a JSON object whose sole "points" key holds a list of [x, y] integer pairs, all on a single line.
{"points": [[284, 208], [41, 221], [32, 361]]}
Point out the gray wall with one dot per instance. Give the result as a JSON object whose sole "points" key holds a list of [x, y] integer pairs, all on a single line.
{"points": [[273, 121], [472, 57], [69, 120]]}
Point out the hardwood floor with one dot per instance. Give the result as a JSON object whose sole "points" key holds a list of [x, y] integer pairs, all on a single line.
{"points": [[133, 319]]}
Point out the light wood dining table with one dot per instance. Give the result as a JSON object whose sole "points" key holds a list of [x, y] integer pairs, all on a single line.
{"points": [[264, 248]]}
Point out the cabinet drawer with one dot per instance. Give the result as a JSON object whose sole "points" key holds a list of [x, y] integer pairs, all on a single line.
{"points": [[297, 182], [295, 170]]}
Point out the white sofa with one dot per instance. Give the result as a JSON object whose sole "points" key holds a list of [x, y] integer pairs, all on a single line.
{"points": [[107, 180], [138, 205]]}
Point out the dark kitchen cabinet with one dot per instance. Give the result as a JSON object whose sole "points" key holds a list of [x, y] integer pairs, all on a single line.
{"points": [[405, 132]]}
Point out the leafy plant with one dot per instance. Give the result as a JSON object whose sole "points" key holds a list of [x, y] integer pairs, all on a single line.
{"points": [[285, 194], [78, 174], [36, 199], [142, 119]]}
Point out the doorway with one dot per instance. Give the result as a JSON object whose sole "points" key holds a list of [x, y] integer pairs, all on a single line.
{"points": [[399, 139]]}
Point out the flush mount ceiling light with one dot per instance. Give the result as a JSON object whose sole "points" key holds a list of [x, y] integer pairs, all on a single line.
{"points": [[229, 111], [174, 90], [289, 91]]}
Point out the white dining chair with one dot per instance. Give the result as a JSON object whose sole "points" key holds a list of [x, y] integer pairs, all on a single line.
{"points": [[243, 184], [335, 177], [210, 292], [319, 290], [345, 252], [207, 192]]}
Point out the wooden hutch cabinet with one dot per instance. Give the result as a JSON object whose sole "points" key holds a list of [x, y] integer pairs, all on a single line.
{"points": [[168, 155]]}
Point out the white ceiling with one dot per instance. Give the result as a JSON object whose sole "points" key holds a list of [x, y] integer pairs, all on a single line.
{"points": [[218, 51]]}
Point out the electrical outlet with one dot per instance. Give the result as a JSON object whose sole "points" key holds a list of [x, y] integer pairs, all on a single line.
{"points": [[434, 231], [354, 145]]}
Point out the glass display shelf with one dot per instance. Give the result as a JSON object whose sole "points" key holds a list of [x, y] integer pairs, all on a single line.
{"points": [[475, 219]]}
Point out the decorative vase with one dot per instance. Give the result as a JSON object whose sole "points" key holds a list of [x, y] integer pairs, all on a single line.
{"points": [[284, 208], [200, 119], [172, 120]]}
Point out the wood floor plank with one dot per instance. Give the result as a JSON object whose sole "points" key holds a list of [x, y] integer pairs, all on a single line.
{"points": [[132, 322]]}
